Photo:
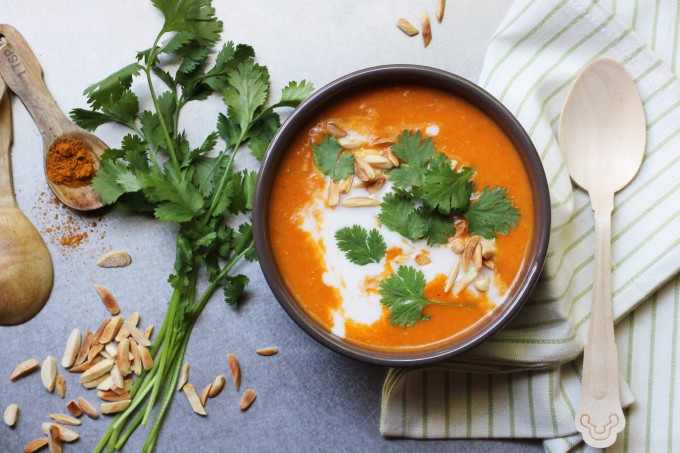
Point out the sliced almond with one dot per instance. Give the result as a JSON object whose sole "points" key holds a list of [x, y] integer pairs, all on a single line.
{"points": [[376, 185], [425, 27], [235, 370], [65, 419], [36, 444], [379, 161], [106, 384], [363, 170], [111, 396], [441, 5], [217, 386], [116, 377], [469, 251], [346, 184], [183, 376], [108, 300], [74, 409], [94, 383], [457, 245], [351, 142], [194, 401], [111, 330], [65, 434], [335, 130], [422, 259], [111, 349], [72, 347], [407, 27], [205, 393], [84, 349], [401, 259], [87, 408], [491, 264], [468, 277], [482, 283], [461, 228], [114, 407], [133, 320], [123, 357], [128, 385], [54, 439], [60, 386], [268, 351], [95, 350], [138, 335], [100, 330], [148, 332], [478, 257], [247, 399], [87, 365], [145, 355], [488, 248], [106, 355], [136, 358], [10, 415], [333, 193], [24, 369], [380, 141], [116, 258], [453, 273], [360, 202], [358, 183], [48, 373], [97, 370], [123, 333], [391, 157]]}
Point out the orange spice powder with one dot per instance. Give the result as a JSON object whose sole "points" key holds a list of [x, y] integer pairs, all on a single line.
{"points": [[70, 163]]}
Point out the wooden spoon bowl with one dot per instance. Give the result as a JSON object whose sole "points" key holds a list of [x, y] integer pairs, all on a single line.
{"points": [[22, 73]]}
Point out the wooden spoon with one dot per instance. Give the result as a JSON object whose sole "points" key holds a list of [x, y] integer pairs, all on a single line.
{"points": [[23, 75], [602, 136], [26, 271]]}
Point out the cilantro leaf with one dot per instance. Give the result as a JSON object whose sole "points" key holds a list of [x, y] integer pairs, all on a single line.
{"points": [[361, 247], [234, 288], [262, 134], [294, 93], [439, 227], [446, 190], [193, 17], [399, 213], [416, 154], [105, 181], [492, 213], [403, 293], [328, 159], [248, 90], [111, 88]]}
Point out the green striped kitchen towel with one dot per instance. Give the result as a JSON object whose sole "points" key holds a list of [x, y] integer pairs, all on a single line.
{"points": [[525, 381]]}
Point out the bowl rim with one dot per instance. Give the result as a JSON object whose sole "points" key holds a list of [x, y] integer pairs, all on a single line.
{"points": [[446, 81]]}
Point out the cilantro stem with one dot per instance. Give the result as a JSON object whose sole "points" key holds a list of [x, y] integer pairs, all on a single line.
{"points": [[451, 304], [223, 182]]}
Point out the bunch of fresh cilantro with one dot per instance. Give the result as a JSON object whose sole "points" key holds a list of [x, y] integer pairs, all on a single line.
{"points": [[157, 170]]}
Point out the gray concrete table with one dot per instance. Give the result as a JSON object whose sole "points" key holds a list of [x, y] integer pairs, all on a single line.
{"points": [[309, 399]]}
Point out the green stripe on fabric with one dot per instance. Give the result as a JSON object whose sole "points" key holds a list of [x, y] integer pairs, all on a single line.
{"points": [[447, 404], [424, 406], [644, 214], [577, 370], [552, 300], [576, 213], [530, 391], [565, 252], [490, 404], [647, 266], [635, 15], [567, 400], [533, 340], [663, 115], [674, 55], [659, 90], [524, 38], [513, 20], [647, 71], [674, 350], [629, 370], [551, 392], [468, 404], [650, 376], [511, 406], [404, 404], [655, 25]]}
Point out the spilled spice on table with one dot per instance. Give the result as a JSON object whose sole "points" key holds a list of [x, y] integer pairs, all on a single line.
{"points": [[70, 163]]}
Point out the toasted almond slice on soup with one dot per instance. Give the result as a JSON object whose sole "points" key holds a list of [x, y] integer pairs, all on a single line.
{"points": [[87, 408], [36, 444], [376, 160], [48, 373], [469, 251], [376, 185], [107, 299], [10, 415], [453, 274], [478, 257], [491, 264], [351, 142], [468, 277], [65, 419], [183, 376], [401, 259], [346, 184], [407, 27], [74, 409], [247, 399], [235, 370], [72, 348], [335, 130], [391, 157], [114, 407], [115, 258], [425, 27], [24, 369], [422, 259], [482, 283], [217, 386], [363, 170], [194, 401], [457, 245], [333, 193], [65, 434], [360, 202], [488, 248]]}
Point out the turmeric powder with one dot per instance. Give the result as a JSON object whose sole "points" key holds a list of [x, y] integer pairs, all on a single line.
{"points": [[70, 163]]}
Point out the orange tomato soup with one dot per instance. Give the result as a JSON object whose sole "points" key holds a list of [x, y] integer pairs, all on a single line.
{"points": [[463, 133]]}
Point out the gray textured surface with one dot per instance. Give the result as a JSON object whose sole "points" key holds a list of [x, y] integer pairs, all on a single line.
{"points": [[309, 399]]}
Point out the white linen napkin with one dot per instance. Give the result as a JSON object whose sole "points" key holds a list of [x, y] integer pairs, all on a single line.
{"points": [[525, 381]]}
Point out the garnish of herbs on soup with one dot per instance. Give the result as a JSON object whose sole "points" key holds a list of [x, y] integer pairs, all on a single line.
{"points": [[410, 213]]}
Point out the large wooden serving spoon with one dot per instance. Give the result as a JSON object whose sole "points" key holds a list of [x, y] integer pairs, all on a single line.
{"points": [[26, 271], [22, 73], [602, 136]]}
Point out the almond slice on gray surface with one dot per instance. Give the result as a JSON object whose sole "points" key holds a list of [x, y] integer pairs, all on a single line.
{"points": [[194, 401], [72, 348], [115, 258], [48, 373], [24, 369]]}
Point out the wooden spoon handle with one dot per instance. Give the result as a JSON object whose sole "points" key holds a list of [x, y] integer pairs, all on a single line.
{"points": [[6, 194], [600, 416], [22, 73]]}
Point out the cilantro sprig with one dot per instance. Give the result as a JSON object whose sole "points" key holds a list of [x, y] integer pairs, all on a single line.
{"points": [[361, 247], [330, 159], [157, 170], [492, 213]]}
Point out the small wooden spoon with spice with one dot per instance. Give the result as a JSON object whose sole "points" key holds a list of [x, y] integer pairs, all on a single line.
{"points": [[71, 153], [26, 271]]}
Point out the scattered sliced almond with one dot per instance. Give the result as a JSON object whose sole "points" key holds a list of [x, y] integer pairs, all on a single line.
{"points": [[36, 444], [116, 258], [478, 257], [11, 414], [482, 283], [360, 202], [376, 185], [441, 5], [457, 245], [205, 393], [401, 259], [94, 383], [60, 386], [268, 351], [488, 248], [114, 407], [469, 251], [491, 264], [461, 228], [116, 377], [65, 419], [24, 369], [351, 142], [391, 157], [65, 434], [468, 277], [358, 184], [333, 193], [106, 355], [133, 319], [72, 348], [407, 27], [136, 358], [425, 27], [217, 386], [106, 384], [48, 373], [74, 409], [380, 141], [379, 161], [145, 355], [107, 299], [183, 376], [111, 330], [123, 357], [87, 408], [363, 170], [54, 439], [87, 365], [123, 333], [111, 349], [247, 399], [453, 273], [194, 401], [100, 330], [111, 396], [128, 385], [422, 259], [138, 335], [346, 184], [235, 370], [84, 349], [97, 370], [148, 332], [335, 130]]}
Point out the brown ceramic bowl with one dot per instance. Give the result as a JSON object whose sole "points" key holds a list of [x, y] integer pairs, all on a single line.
{"points": [[400, 74]]}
